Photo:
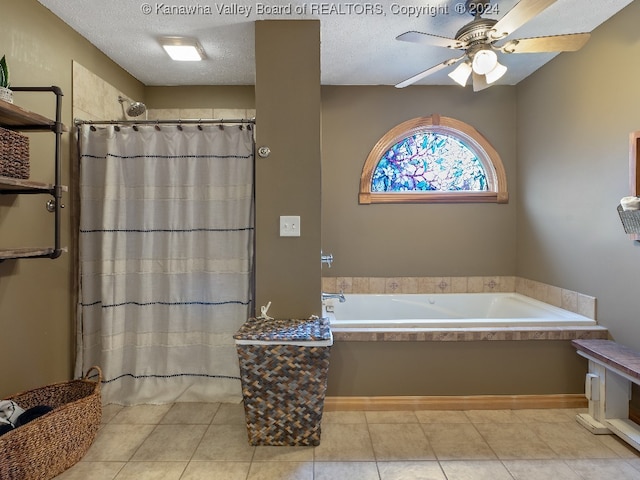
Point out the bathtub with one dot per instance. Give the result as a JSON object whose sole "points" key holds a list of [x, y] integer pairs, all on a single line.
{"points": [[411, 312]]}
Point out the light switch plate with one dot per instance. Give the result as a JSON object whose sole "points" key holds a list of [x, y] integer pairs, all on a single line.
{"points": [[290, 226]]}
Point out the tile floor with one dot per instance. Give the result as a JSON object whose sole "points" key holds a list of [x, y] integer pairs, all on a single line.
{"points": [[208, 441]]}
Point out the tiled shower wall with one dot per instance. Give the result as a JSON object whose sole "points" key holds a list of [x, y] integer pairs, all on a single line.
{"points": [[556, 296], [200, 113], [95, 99]]}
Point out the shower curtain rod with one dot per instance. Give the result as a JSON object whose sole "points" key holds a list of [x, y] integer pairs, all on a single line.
{"points": [[200, 121]]}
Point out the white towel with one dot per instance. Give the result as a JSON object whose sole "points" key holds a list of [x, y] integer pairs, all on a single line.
{"points": [[10, 411], [630, 203]]}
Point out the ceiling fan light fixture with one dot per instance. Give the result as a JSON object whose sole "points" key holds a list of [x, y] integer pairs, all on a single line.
{"points": [[183, 49], [484, 61], [461, 74], [495, 74]]}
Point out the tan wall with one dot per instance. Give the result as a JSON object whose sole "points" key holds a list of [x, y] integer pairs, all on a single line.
{"points": [[36, 311], [288, 181], [412, 240], [455, 368], [574, 120]]}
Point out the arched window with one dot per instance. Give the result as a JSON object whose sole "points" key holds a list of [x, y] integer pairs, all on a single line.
{"points": [[433, 159]]}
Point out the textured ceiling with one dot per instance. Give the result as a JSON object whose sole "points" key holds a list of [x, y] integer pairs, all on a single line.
{"points": [[357, 47]]}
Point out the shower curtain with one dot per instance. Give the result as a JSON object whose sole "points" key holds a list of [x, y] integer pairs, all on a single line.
{"points": [[166, 259]]}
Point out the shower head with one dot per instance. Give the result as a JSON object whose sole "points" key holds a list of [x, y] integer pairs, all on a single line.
{"points": [[135, 108]]}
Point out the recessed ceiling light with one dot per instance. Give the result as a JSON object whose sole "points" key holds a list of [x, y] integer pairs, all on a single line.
{"points": [[183, 49]]}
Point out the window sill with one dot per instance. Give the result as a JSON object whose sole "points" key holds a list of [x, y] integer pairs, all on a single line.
{"points": [[436, 197]]}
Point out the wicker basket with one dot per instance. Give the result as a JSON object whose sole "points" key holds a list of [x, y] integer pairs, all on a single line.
{"points": [[14, 154], [284, 384], [48, 445], [630, 220]]}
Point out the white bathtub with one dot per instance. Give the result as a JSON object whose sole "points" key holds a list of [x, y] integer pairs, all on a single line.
{"points": [[409, 312]]}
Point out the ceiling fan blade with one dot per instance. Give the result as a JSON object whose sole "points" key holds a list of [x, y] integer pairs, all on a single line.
{"points": [[555, 43], [435, 40], [429, 71], [524, 11]]}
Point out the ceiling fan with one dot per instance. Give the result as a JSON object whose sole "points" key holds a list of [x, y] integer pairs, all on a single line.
{"points": [[479, 39]]}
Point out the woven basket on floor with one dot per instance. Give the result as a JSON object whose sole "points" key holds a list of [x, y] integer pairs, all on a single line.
{"points": [[48, 445], [14, 154]]}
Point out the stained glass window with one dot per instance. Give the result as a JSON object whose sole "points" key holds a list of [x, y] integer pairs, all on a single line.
{"points": [[433, 160], [429, 161]]}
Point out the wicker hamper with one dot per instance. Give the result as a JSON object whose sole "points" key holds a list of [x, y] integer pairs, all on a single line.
{"points": [[48, 445], [283, 368], [14, 154]]}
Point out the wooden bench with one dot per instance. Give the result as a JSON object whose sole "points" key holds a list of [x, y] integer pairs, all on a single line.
{"points": [[612, 370]]}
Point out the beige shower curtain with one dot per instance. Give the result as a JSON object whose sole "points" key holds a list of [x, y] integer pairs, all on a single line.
{"points": [[166, 259]]}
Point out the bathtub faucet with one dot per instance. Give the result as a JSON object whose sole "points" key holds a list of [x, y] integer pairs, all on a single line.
{"points": [[328, 259], [339, 296]]}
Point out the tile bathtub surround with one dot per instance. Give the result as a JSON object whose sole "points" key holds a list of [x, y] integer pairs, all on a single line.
{"points": [[475, 335], [196, 441], [556, 296]]}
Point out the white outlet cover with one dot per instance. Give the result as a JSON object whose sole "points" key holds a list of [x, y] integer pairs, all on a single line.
{"points": [[290, 226]]}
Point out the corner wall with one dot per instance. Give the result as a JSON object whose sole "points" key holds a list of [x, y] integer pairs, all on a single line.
{"points": [[574, 119], [36, 295]]}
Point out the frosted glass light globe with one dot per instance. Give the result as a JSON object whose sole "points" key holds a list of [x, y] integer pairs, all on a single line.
{"points": [[484, 61]]}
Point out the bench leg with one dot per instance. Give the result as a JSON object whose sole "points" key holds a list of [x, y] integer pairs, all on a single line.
{"points": [[595, 390]]}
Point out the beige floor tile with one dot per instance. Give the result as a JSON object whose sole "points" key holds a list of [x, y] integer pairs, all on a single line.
{"points": [[540, 470], [345, 443], [410, 471], [170, 443], [92, 470], [393, 442], [141, 415], [283, 454], [476, 470], [604, 469], [635, 463], [191, 413], [225, 443], [621, 448], [345, 471], [117, 443], [442, 416], [208, 441], [344, 417], [572, 441], [230, 414], [391, 417], [493, 416], [545, 415], [152, 471], [515, 441], [109, 411], [281, 471], [457, 441], [216, 470]]}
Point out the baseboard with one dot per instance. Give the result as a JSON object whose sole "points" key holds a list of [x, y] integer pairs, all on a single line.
{"points": [[474, 402]]}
